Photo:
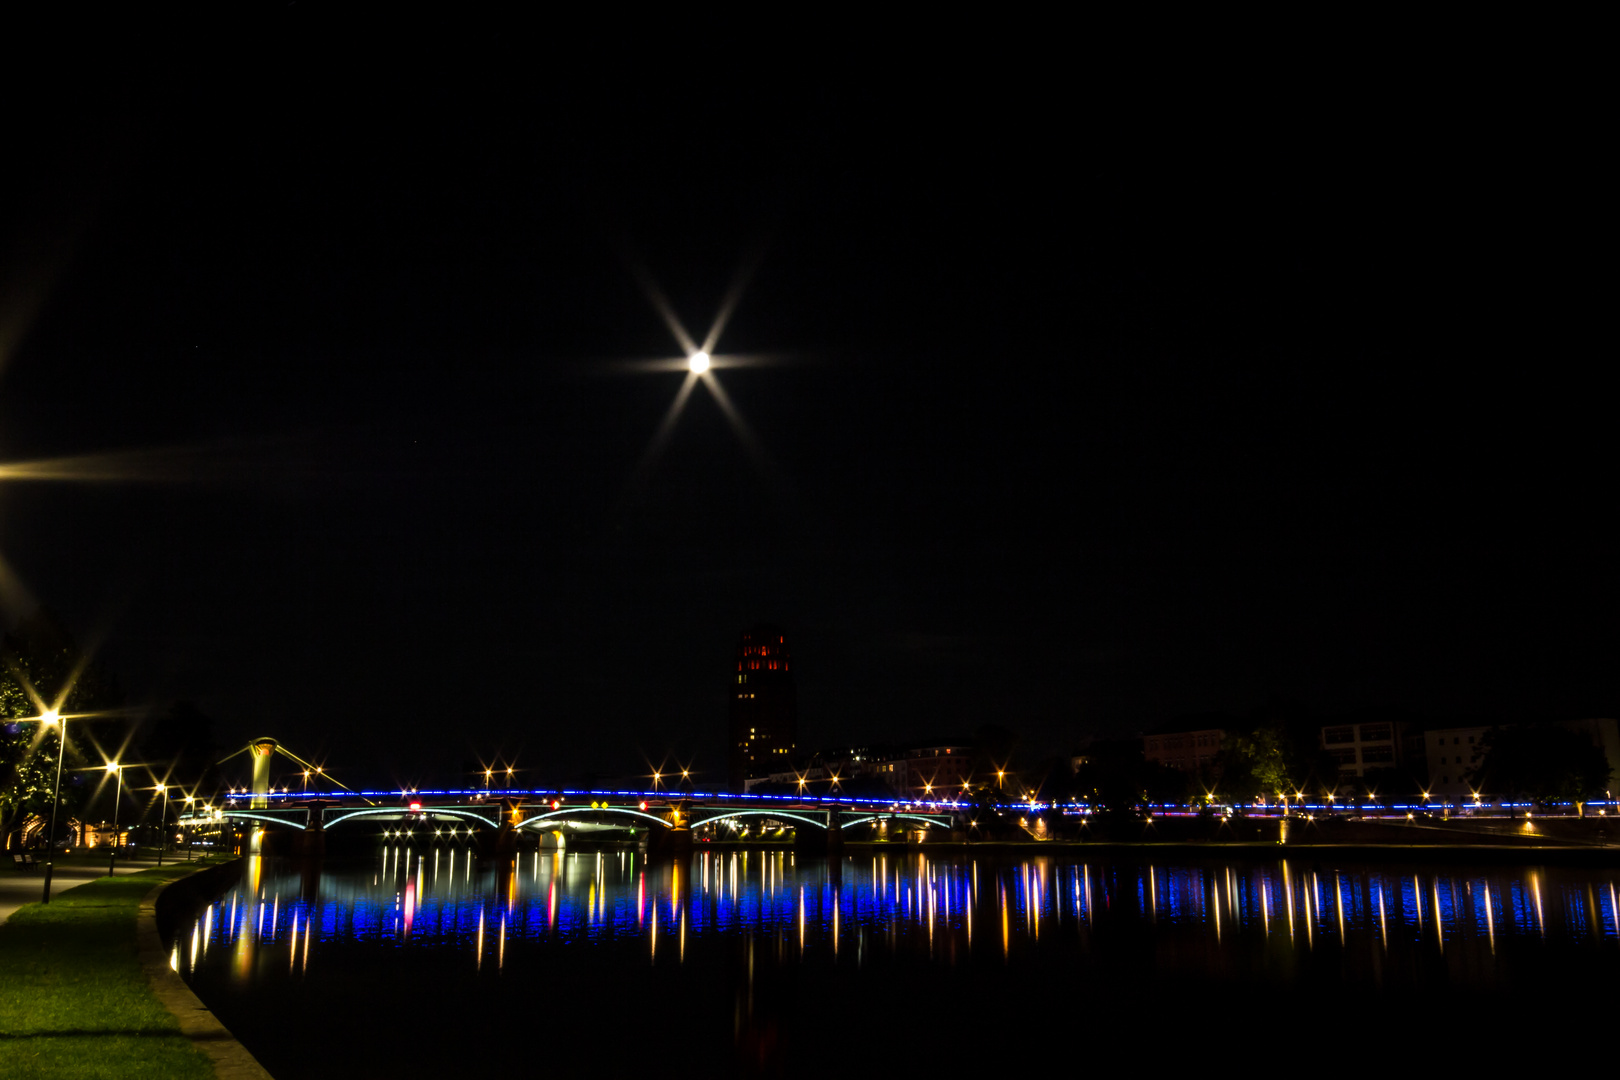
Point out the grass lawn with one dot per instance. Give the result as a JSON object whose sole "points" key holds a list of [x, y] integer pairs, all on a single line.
{"points": [[74, 1001]]}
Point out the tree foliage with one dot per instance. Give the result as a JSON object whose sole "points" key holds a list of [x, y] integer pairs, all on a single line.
{"points": [[1279, 755], [40, 662]]}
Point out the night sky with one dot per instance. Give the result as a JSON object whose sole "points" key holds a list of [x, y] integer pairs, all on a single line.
{"points": [[1082, 398]]}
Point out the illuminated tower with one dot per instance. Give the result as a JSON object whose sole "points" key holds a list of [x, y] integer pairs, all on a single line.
{"points": [[764, 706]]}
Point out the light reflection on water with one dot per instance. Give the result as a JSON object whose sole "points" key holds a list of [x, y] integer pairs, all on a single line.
{"points": [[438, 900], [441, 916]]}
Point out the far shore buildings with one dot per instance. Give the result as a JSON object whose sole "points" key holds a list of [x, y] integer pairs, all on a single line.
{"points": [[1455, 752], [1452, 754], [1190, 746], [764, 713], [932, 769], [763, 728], [1366, 746], [1441, 760]]}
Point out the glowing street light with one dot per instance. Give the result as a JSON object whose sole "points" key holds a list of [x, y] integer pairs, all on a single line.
{"points": [[698, 363], [118, 792], [53, 717], [163, 835]]}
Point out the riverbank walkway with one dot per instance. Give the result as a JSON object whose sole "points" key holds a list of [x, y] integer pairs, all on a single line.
{"points": [[77, 999], [19, 887]]}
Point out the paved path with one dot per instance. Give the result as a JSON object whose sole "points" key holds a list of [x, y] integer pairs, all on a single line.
{"points": [[18, 887]]}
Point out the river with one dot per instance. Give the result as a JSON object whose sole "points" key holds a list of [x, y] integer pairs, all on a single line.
{"points": [[760, 962]]}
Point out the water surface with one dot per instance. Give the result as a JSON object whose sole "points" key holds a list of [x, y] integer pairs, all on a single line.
{"points": [[764, 962]]}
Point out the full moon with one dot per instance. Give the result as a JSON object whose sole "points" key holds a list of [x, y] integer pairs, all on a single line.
{"points": [[699, 363]]}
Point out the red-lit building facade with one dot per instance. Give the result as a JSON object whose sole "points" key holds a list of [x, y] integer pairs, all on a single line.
{"points": [[764, 724]]}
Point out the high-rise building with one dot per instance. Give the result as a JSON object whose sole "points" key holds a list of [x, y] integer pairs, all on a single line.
{"points": [[764, 706]]}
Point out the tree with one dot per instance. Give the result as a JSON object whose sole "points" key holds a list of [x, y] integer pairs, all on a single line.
{"points": [[1278, 757], [40, 662], [1546, 762]]}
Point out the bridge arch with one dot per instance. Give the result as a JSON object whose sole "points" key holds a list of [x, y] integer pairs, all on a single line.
{"points": [[593, 810], [423, 814], [761, 813], [908, 817], [236, 815]]}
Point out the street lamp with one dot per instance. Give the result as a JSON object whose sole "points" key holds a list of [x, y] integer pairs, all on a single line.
{"points": [[192, 830], [163, 835], [118, 791], [51, 716]]}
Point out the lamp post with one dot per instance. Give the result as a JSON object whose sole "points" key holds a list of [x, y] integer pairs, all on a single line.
{"points": [[191, 830], [51, 716], [163, 834], [118, 791]]}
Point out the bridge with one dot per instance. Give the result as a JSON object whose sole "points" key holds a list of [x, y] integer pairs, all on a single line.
{"points": [[668, 818], [552, 815]]}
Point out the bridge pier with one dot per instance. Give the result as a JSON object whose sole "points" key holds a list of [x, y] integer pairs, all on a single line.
{"points": [[262, 750], [674, 843], [506, 835], [314, 839], [828, 841]]}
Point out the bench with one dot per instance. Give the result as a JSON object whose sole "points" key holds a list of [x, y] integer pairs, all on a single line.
{"points": [[24, 860]]}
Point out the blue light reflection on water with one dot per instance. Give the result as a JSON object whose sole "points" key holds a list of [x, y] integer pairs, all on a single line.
{"points": [[443, 899], [762, 946]]}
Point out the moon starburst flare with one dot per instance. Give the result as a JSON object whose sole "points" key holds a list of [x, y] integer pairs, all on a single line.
{"points": [[700, 365]]}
